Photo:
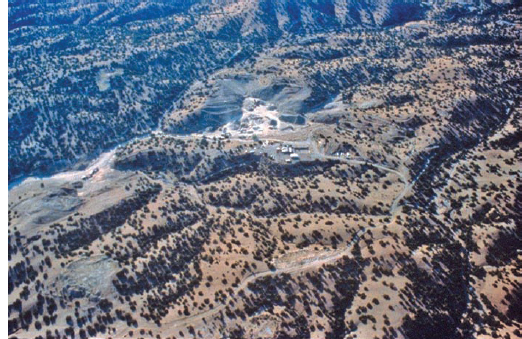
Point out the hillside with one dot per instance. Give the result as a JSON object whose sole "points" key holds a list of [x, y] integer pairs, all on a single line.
{"points": [[86, 76], [252, 169]]}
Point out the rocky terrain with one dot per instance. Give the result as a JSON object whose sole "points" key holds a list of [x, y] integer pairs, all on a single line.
{"points": [[265, 169], [86, 76]]}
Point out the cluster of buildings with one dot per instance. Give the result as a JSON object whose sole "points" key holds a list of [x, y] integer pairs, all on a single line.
{"points": [[289, 150], [289, 153]]}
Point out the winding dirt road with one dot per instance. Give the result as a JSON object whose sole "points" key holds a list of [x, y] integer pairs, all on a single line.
{"points": [[104, 163], [309, 264], [254, 276]]}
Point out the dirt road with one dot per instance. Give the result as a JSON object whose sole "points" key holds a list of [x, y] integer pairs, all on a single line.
{"points": [[185, 321]]}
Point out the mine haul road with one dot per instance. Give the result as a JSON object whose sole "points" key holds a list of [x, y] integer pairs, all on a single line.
{"points": [[105, 162], [185, 321], [254, 276]]}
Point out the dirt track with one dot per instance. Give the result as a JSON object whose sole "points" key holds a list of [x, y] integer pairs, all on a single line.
{"points": [[254, 276]]}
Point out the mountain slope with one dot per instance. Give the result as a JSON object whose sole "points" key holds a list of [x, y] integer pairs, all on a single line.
{"points": [[134, 60]]}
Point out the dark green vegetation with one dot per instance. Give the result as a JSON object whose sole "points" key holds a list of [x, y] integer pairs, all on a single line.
{"points": [[415, 234], [62, 111]]}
